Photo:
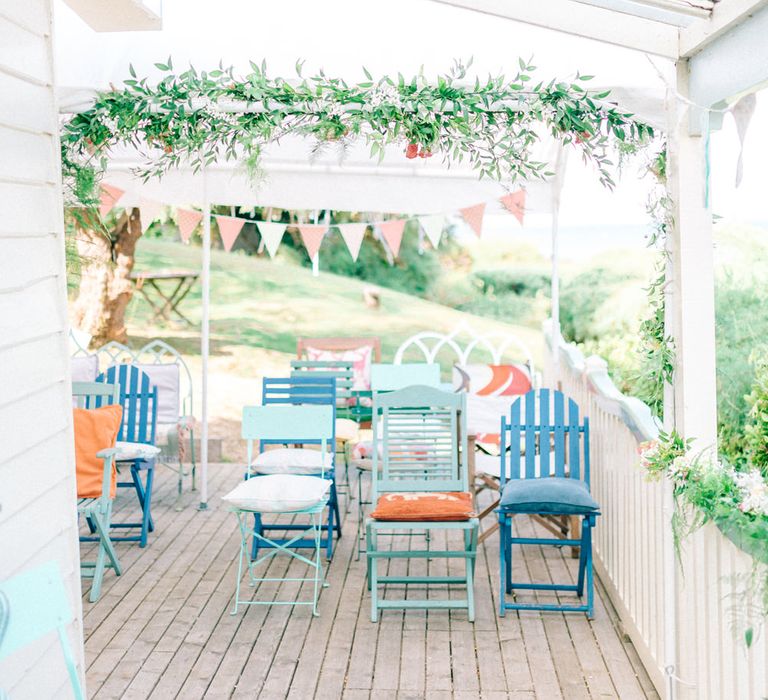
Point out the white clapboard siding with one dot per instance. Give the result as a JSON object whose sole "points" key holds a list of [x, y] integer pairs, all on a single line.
{"points": [[634, 560], [38, 521]]}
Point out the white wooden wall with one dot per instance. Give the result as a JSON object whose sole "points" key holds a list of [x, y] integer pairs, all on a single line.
{"points": [[37, 489], [682, 614]]}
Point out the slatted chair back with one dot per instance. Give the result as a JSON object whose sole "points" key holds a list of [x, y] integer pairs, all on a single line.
{"points": [[138, 397], [546, 424], [341, 370], [391, 377], [419, 436], [288, 424], [308, 389], [37, 604], [87, 394]]}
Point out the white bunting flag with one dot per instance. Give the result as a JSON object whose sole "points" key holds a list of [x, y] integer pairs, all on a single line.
{"points": [[433, 227], [353, 235], [150, 211], [272, 235]]}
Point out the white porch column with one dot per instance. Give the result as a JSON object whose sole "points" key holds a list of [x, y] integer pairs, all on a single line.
{"points": [[691, 287], [691, 405]]}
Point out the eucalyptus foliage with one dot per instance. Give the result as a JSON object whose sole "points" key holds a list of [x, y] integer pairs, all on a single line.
{"points": [[196, 117]]}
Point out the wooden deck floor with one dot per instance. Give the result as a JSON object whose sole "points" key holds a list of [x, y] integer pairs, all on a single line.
{"points": [[163, 629]]}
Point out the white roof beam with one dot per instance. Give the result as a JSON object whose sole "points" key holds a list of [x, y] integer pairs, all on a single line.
{"points": [[735, 63], [583, 20], [667, 11], [725, 17]]}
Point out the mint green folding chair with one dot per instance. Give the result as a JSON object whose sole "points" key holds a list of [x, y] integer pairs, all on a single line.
{"points": [[420, 432], [98, 511], [35, 604], [287, 424]]}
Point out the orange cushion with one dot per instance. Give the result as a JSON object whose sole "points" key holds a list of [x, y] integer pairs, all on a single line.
{"points": [[95, 430], [424, 506]]}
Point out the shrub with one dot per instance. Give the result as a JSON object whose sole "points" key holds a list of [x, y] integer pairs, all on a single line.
{"points": [[525, 283]]}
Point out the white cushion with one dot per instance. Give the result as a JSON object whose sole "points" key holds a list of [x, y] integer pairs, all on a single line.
{"points": [[85, 368], [135, 450], [346, 429], [279, 493], [166, 378], [285, 460]]}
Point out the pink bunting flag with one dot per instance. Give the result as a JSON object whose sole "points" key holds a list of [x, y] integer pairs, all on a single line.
{"points": [[433, 227], [149, 210], [187, 221], [353, 235], [312, 235], [392, 232], [229, 230], [272, 234], [109, 196], [514, 203], [474, 217]]}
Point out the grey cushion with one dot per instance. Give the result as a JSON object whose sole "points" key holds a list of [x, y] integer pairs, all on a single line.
{"points": [[555, 495]]}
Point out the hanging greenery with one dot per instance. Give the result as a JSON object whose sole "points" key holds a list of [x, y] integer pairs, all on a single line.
{"points": [[198, 117]]}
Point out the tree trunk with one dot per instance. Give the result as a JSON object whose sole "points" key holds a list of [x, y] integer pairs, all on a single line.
{"points": [[105, 287]]}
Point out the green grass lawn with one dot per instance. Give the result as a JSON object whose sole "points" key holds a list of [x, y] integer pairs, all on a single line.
{"points": [[259, 307]]}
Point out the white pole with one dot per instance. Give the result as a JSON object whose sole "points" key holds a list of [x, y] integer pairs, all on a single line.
{"points": [[316, 259], [557, 186], [205, 341]]}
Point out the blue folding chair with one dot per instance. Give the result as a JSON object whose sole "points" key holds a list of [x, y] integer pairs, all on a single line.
{"points": [[304, 390], [551, 478], [32, 605], [136, 441]]}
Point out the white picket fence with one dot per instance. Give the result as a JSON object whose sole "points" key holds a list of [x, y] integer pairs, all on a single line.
{"points": [[684, 616]]}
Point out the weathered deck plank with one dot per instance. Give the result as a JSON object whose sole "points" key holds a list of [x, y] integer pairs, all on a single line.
{"points": [[164, 628]]}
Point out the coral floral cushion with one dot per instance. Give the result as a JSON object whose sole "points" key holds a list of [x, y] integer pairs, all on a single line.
{"points": [[492, 380], [412, 506], [360, 357], [95, 430]]}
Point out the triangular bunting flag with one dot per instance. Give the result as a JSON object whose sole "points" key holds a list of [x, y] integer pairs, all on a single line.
{"points": [[474, 217], [312, 235], [150, 211], [187, 221], [272, 234], [392, 232], [229, 230], [353, 235], [514, 203], [433, 227], [108, 198]]}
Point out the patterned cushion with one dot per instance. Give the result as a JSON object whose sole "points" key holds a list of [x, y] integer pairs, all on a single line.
{"points": [[128, 451], [492, 380], [279, 493], [413, 506], [361, 357]]}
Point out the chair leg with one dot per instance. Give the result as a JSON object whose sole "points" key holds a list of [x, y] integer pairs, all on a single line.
{"points": [[192, 456], [373, 573], [317, 528], [574, 532], [336, 508], [585, 531], [146, 503], [330, 527], [243, 553], [508, 553], [587, 544], [359, 513], [260, 530], [502, 564], [470, 539]]}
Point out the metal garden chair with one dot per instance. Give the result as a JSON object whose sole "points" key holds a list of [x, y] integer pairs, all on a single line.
{"points": [[98, 511], [544, 483], [304, 390], [34, 604], [136, 441], [423, 452], [285, 424]]}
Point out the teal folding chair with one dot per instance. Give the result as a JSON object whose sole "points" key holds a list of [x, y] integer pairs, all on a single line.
{"points": [[286, 424], [541, 482], [36, 605], [98, 511], [390, 377], [422, 434]]}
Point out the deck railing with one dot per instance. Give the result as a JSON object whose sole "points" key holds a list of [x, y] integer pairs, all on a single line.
{"points": [[685, 616]]}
